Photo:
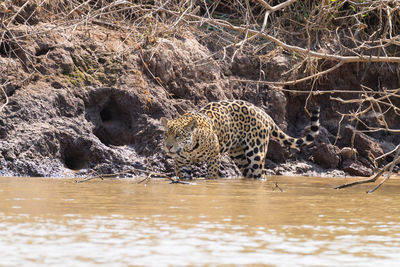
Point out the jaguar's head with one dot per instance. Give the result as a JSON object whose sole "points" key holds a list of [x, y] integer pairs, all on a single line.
{"points": [[178, 133]]}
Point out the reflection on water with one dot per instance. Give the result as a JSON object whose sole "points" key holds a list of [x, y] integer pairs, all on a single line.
{"points": [[233, 222]]}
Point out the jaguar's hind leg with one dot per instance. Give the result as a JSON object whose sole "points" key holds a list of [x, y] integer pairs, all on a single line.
{"points": [[256, 158]]}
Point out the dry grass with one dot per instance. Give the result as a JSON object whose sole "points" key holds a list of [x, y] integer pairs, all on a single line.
{"points": [[312, 32]]}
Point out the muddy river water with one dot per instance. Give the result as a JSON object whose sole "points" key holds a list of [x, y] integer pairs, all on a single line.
{"points": [[223, 222]]}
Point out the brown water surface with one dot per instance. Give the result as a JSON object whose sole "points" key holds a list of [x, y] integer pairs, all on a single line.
{"points": [[222, 222]]}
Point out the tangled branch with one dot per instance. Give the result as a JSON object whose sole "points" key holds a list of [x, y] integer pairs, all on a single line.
{"points": [[353, 38], [389, 167]]}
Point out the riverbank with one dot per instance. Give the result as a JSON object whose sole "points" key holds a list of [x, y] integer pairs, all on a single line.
{"points": [[88, 97]]}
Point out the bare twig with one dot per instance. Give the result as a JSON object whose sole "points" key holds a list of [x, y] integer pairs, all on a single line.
{"points": [[5, 95], [277, 186], [388, 153]]}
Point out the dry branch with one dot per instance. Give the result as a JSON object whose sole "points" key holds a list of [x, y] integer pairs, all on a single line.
{"points": [[293, 82], [134, 171], [271, 9]]}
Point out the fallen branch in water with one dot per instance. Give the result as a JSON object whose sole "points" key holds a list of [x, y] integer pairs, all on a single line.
{"points": [[134, 171], [389, 166], [159, 175], [103, 176]]}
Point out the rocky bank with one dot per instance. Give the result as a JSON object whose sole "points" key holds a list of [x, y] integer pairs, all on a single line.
{"points": [[82, 100]]}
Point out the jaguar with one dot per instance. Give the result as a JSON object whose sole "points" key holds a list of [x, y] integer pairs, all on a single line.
{"points": [[236, 127]]}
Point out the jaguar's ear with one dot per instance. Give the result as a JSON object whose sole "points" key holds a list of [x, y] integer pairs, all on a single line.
{"points": [[164, 122], [191, 125]]}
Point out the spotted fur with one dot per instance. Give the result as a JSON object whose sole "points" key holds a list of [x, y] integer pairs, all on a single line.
{"points": [[237, 127]]}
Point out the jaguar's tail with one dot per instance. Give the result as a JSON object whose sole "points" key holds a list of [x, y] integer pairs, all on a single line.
{"points": [[284, 139]]}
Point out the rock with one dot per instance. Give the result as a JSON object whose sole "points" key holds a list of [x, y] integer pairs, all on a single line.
{"points": [[61, 59], [276, 152], [8, 155], [365, 145], [180, 66], [326, 155], [244, 66], [276, 104], [49, 132], [275, 67], [354, 167], [348, 153], [293, 168]]}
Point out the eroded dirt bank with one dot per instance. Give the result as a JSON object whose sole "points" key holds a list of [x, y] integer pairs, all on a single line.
{"points": [[92, 99]]}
